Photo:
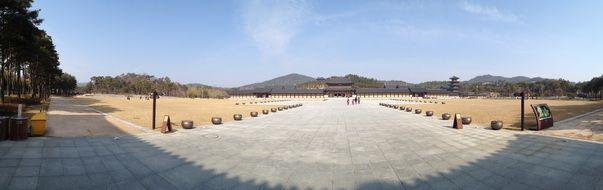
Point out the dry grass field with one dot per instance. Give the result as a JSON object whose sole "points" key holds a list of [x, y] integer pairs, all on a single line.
{"points": [[139, 111], [483, 111]]}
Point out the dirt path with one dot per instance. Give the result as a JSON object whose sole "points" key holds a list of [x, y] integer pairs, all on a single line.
{"points": [[588, 126], [67, 119]]}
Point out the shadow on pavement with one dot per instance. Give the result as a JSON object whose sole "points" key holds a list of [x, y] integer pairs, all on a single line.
{"points": [[130, 162], [528, 162]]}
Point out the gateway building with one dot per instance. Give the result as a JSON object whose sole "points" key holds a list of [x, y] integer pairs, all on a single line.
{"points": [[340, 87]]}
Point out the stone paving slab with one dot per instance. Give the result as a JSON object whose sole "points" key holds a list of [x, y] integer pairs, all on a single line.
{"points": [[321, 145]]}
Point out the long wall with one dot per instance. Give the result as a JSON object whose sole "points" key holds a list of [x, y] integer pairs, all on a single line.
{"points": [[362, 95], [279, 96]]}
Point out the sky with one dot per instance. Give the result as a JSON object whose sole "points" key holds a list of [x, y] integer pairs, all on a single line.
{"points": [[231, 43]]}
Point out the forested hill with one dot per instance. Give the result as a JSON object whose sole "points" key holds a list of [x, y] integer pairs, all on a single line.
{"points": [[287, 80], [491, 78], [434, 84], [132, 83]]}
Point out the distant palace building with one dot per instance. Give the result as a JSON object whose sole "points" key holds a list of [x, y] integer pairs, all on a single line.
{"points": [[340, 87]]}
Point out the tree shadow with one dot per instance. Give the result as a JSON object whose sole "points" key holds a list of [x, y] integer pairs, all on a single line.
{"points": [[90, 102], [68, 119], [106, 162], [527, 162]]}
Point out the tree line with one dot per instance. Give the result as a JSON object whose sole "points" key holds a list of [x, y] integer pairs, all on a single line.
{"points": [[592, 88], [143, 84], [29, 62], [196, 91], [543, 88]]}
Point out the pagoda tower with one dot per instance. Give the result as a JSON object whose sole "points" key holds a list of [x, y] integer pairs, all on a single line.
{"points": [[454, 85]]}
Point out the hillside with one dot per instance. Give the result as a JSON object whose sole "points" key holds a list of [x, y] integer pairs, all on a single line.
{"points": [[434, 84], [287, 80], [492, 78]]}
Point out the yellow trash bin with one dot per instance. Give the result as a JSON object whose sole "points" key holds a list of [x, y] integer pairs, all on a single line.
{"points": [[38, 124]]}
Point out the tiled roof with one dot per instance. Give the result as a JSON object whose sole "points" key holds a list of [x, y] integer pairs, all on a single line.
{"points": [[437, 91], [417, 90], [296, 91]]}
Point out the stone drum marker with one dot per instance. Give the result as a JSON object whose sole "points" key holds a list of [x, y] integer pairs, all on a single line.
{"points": [[166, 127], [457, 123]]}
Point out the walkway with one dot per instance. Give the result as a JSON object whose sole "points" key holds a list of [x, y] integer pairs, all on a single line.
{"points": [[322, 145], [66, 119], [587, 126]]}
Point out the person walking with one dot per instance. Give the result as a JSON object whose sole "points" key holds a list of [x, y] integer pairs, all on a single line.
{"points": [[358, 100], [348, 101]]}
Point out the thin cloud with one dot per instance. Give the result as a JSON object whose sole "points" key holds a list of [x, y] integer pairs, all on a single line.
{"points": [[489, 12], [272, 24]]}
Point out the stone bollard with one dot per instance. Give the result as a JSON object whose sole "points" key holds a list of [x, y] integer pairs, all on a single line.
{"points": [[496, 125], [429, 113], [186, 124], [216, 120], [466, 120]]}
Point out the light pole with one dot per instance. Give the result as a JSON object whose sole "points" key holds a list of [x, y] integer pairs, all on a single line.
{"points": [[154, 107], [523, 96]]}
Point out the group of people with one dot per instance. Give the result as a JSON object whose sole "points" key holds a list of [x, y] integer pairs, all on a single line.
{"points": [[146, 97], [355, 100]]}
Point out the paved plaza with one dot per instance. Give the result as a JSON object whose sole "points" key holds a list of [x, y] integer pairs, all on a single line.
{"points": [[321, 145]]}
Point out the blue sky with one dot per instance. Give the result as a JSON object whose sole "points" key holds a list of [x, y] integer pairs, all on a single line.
{"points": [[231, 43]]}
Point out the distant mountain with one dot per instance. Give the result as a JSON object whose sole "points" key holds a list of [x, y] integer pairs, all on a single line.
{"points": [[491, 78], [289, 80]]}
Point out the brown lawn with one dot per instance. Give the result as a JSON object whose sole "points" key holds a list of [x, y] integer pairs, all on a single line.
{"points": [[139, 111], [483, 111]]}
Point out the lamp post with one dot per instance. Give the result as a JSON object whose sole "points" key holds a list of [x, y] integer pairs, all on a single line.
{"points": [[523, 96], [154, 94]]}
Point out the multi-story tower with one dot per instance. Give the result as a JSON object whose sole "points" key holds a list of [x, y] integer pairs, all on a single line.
{"points": [[454, 85]]}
